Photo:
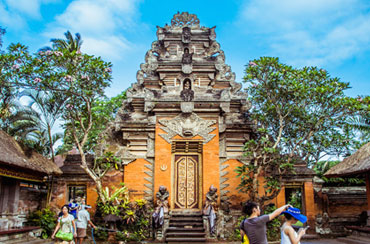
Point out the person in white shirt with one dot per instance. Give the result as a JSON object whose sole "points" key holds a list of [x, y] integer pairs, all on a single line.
{"points": [[83, 218], [288, 234]]}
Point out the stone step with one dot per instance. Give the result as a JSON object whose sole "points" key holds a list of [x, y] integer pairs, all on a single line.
{"points": [[354, 240], [176, 229], [186, 219], [175, 213], [185, 239], [196, 224], [185, 234]]}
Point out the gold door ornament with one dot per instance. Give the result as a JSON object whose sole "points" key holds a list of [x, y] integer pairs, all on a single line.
{"points": [[186, 181]]}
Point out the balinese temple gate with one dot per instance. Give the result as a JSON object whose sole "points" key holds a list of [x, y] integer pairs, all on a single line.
{"points": [[183, 126]]}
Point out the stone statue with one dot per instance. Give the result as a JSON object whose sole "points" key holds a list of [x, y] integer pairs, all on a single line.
{"points": [[187, 58], [187, 94], [186, 35], [162, 207], [210, 208]]}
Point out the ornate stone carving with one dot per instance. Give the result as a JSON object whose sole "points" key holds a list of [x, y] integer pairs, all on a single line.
{"points": [[162, 207], [187, 107], [187, 126], [187, 94], [210, 208], [160, 33], [212, 33], [150, 145], [125, 155], [186, 35], [184, 19]]}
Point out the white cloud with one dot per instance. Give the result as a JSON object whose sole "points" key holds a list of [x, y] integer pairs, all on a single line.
{"points": [[100, 24], [310, 32], [10, 18], [30, 8]]}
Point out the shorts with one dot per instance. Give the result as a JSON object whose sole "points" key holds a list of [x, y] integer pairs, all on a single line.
{"points": [[81, 233]]}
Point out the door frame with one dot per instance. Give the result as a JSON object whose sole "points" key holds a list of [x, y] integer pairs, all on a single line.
{"points": [[200, 181]]}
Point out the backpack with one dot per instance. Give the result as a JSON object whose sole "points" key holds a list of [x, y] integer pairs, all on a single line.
{"points": [[245, 239]]}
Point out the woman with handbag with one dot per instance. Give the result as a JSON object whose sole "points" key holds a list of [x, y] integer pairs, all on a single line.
{"points": [[66, 226]]}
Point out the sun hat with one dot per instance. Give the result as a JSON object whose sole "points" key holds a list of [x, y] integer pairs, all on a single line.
{"points": [[296, 213]]}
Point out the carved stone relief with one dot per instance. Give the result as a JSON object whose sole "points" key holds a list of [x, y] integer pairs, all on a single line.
{"points": [[184, 19], [187, 126]]}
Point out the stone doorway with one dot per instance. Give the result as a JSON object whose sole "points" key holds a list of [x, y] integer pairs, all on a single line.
{"points": [[186, 181], [187, 175]]}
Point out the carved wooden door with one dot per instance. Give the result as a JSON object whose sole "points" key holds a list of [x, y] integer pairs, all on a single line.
{"points": [[186, 181]]}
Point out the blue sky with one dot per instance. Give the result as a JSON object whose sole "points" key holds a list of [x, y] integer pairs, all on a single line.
{"points": [[330, 34]]}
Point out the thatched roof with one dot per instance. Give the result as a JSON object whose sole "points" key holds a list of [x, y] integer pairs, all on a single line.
{"points": [[13, 155], [357, 163]]}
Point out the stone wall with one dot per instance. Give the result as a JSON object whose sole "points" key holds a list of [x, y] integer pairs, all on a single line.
{"points": [[339, 207]]}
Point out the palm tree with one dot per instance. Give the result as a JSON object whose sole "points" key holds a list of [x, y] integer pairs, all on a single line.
{"points": [[49, 108], [71, 44], [361, 123]]}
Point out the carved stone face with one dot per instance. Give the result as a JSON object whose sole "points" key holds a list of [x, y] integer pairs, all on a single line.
{"points": [[162, 189], [212, 189], [187, 85]]}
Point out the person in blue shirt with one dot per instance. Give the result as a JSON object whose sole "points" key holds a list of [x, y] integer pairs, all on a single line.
{"points": [[73, 206]]}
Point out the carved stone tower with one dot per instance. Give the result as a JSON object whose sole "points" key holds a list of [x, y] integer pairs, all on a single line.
{"points": [[183, 124]]}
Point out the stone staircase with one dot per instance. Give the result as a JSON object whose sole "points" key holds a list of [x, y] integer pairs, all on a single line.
{"points": [[185, 227]]}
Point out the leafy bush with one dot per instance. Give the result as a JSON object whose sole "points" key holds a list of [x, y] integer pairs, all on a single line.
{"points": [[273, 227], [134, 216], [44, 218], [101, 234]]}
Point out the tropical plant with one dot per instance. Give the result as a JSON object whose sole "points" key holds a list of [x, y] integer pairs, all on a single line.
{"points": [[69, 43], [49, 107], [44, 218], [298, 115]]}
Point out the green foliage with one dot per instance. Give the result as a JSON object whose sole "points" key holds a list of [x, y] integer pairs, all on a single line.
{"points": [[103, 111], [134, 216], [296, 199], [299, 115], [101, 235], [273, 227], [44, 218], [76, 78], [323, 166]]}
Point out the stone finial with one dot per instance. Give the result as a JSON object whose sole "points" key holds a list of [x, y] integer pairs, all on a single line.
{"points": [[184, 19]]}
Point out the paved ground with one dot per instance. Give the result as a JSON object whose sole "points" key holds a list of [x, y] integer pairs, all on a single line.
{"points": [[321, 241]]}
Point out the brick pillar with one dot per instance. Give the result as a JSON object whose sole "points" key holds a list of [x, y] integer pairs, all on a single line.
{"points": [[280, 199], [309, 203]]}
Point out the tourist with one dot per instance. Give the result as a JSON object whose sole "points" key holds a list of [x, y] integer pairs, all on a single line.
{"points": [[66, 226], [255, 225], [83, 218], [83, 204], [73, 207], [288, 234]]}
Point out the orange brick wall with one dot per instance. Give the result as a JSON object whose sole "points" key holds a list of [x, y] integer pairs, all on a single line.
{"points": [[235, 197], [162, 159], [211, 165], [134, 178]]}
